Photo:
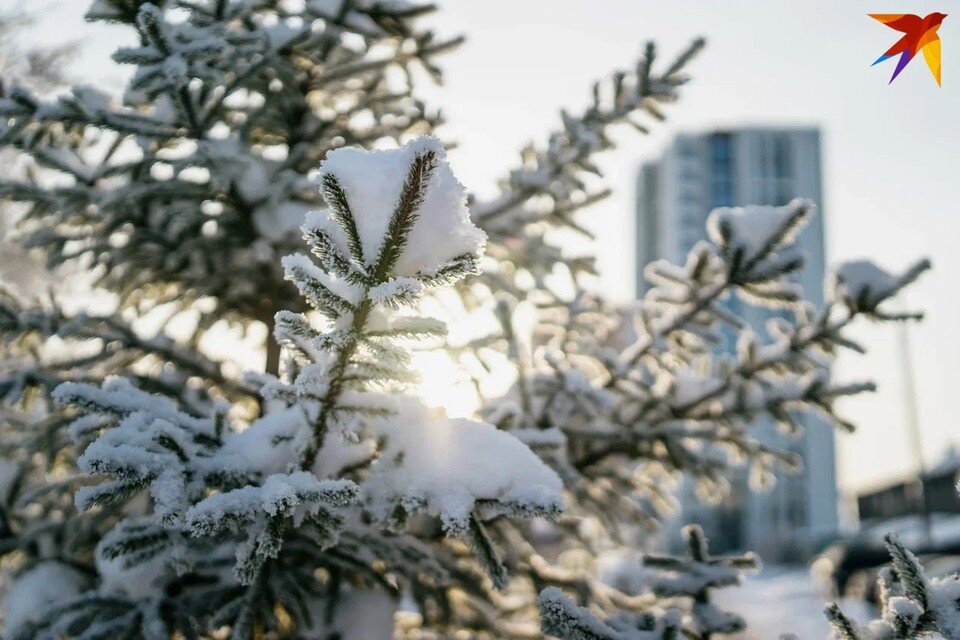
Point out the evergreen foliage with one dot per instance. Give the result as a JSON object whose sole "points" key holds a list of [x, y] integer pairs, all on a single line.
{"points": [[193, 185], [912, 604], [261, 498], [682, 584], [153, 491], [695, 576]]}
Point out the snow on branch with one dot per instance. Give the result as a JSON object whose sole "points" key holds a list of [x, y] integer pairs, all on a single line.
{"points": [[453, 468], [676, 400], [174, 196], [396, 227], [408, 221], [695, 576], [912, 605], [863, 286], [555, 181], [563, 619]]}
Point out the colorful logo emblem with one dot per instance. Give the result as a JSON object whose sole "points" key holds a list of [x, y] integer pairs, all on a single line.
{"points": [[920, 34]]}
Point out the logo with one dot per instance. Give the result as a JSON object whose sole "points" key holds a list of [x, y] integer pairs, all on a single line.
{"points": [[920, 34]]}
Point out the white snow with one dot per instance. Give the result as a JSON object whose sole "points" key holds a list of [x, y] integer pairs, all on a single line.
{"points": [[271, 444], [295, 494], [373, 180], [785, 600], [34, 592], [339, 452], [903, 608], [138, 581], [118, 397], [449, 464], [943, 595], [751, 227], [855, 278]]}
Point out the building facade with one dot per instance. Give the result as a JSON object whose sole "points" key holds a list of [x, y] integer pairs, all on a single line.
{"points": [[904, 498], [733, 167]]}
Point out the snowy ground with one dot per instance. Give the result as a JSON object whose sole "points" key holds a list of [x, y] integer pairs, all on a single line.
{"points": [[785, 600]]}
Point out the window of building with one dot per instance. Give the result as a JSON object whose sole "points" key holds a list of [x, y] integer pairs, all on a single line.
{"points": [[721, 170]]}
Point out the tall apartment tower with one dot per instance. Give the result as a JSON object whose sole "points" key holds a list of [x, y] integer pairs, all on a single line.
{"points": [[732, 167]]}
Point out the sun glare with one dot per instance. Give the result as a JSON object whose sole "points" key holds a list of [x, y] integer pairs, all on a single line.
{"points": [[445, 384]]}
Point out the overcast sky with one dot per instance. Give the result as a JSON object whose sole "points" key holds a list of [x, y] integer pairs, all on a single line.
{"points": [[892, 184]]}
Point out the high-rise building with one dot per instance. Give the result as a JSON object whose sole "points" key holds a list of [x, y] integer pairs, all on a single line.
{"points": [[732, 167]]}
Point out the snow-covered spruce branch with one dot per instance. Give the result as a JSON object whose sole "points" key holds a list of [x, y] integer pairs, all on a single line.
{"points": [[197, 183], [370, 274], [668, 396], [912, 605], [339, 453], [562, 618], [118, 346], [750, 258], [553, 182], [683, 584], [673, 400], [558, 169]]}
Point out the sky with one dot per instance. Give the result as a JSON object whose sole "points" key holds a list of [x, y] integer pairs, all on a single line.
{"points": [[890, 151]]}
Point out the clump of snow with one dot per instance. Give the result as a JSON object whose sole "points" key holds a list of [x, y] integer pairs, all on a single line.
{"points": [[446, 465], [373, 180], [902, 608], [863, 283], [856, 277], [753, 228], [271, 444], [45, 585], [943, 595], [340, 452]]}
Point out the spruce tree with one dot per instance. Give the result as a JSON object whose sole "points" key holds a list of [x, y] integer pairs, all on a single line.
{"points": [[195, 184], [152, 491]]}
